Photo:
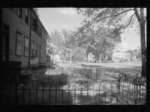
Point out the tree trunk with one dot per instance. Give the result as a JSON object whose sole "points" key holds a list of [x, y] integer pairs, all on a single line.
{"points": [[143, 49], [141, 20]]}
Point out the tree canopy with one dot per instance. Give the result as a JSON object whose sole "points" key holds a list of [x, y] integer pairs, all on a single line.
{"points": [[101, 30], [119, 19]]}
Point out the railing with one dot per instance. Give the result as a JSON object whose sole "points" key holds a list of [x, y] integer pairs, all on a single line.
{"points": [[71, 88]]}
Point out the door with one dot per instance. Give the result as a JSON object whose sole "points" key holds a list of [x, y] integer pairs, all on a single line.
{"points": [[5, 43]]}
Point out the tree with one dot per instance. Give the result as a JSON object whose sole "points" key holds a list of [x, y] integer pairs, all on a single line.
{"points": [[99, 41], [120, 18], [70, 43], [142, 22], [64, 43], [79, 54], [55, 43]]}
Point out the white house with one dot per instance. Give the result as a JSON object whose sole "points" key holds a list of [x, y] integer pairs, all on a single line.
{"points": [[119, 56], [120, 53], [57, 58], [91, 57]]}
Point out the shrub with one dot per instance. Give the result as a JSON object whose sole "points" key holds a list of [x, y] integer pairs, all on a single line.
{"points": [[52, 80]]}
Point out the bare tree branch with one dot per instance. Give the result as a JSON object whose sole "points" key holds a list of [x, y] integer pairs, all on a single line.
{"points": [[102, 18], [96, 18], [142, 14], [122, 12], [137, 15], [129, 21], [123, 27]]}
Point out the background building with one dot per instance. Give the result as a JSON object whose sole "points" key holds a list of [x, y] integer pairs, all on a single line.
{"points": [[120, 53], [16, 30], [91, 57], [121, 56]]}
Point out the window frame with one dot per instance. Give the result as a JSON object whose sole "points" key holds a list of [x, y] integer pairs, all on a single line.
{"points": [[40, 51], [25, 46], [19, 12], [26, 15], [21, 47], [32, 49], [34, 23], [37, 48]]}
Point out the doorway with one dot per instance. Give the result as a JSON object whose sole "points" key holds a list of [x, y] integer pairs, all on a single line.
{"points": [[5, 43]]}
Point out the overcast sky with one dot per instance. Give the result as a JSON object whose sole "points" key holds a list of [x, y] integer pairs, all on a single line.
{"points": [[67, 18]]}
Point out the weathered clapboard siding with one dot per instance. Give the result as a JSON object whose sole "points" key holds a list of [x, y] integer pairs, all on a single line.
{"points": [[17, 24]]}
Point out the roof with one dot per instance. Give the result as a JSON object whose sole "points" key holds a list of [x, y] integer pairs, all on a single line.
{"points": [[39, 21]]}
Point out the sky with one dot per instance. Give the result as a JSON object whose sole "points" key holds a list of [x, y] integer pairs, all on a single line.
{"points": [[67, 18], [59, 18]]}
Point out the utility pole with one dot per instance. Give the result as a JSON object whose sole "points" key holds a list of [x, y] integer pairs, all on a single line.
{"points": [[30, 37]]}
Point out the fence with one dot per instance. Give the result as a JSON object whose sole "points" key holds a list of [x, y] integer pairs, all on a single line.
{"points": [[76, 86]]}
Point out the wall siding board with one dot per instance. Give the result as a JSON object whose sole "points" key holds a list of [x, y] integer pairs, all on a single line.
{"points": [[16, 24]]}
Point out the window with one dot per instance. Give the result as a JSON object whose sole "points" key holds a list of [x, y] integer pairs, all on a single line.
{"points": [[19, 12], [36, 50], [5, 39], [41, 32], [26, 47], [19, 40], [39, 29], [34, 23], [32, 49], [39, 51], [27, 16]]}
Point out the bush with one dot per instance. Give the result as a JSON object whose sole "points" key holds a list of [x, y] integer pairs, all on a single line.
{"points": [[52, 80], [87, 73], [38, 67]]}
